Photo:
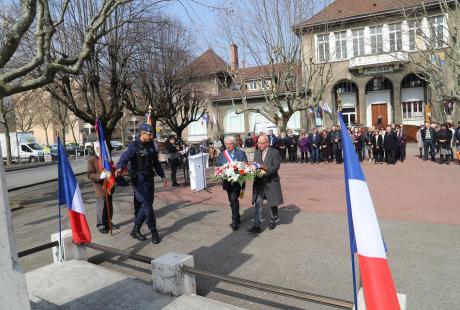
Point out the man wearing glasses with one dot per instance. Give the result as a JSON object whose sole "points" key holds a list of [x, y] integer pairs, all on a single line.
{"points": [[144, 159], [267, 186], [229, 155]]}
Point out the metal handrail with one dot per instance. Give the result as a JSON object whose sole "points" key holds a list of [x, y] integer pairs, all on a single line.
{"points": [[315, 298], [305, 296], [38, 248], [121, 253]]}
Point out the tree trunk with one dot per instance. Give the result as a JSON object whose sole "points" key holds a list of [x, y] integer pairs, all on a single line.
{"points": [[63, 126], [46, 135], [73, 135], [281, 124], [4, 122]]}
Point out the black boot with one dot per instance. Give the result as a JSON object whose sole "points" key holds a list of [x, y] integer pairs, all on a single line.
{"points": [[155, 236], [441, 160], [136, 233]]}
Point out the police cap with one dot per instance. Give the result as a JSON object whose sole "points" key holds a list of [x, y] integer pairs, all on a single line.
{"points": [[146, 127]]}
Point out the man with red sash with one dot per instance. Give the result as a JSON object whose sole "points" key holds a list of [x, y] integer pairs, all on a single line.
{"points": [[231, 154]]}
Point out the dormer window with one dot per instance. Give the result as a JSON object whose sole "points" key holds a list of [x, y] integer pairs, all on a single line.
{"points": [[252, 85]]}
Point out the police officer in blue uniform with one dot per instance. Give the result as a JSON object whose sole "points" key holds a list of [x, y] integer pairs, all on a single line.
{"points": [[144, 159]]}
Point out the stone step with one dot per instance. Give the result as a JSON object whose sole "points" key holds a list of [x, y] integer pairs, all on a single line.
{"points": [[77, 284]]}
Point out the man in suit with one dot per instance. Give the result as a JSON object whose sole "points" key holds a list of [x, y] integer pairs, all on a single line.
{"points": [[428, 137], [402, 140], [313, 141], [271, 139], [377, 146], [390, 144], [267, 186], [233, 189]]}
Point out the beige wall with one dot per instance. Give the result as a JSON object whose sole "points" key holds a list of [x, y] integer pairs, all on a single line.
{"points": [[341, 72]]}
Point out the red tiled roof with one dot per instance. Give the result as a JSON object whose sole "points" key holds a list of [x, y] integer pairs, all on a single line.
{"points": [[260, 71], [207, 63], [344, 9]]}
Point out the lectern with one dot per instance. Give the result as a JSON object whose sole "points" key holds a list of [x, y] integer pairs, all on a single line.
{"points": [[198, 164]]}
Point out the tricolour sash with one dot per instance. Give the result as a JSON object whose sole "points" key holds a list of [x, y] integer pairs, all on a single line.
{"points": [[228, 157]]}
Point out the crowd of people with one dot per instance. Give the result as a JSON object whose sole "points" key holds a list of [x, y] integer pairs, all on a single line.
{"points": [[377, 145]]}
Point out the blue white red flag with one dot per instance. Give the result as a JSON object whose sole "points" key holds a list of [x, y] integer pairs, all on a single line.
{"points": [[365, 236], [69, 194], [148, 118], [105, 159]]}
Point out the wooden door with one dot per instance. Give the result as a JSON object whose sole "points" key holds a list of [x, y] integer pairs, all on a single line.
{"points": [[379, 109]]}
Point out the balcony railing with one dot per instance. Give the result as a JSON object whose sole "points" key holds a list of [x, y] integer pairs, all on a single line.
{"points": [[381, 59]]}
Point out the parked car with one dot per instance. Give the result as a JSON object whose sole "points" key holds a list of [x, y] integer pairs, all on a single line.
{"points": [[72, 149], [116, 145]]}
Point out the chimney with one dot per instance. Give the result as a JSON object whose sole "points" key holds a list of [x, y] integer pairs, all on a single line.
{"points": [[234, 58]]}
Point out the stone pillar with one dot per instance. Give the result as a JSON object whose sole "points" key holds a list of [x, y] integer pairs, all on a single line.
{"points": [[362, 105], [362, 303], [69, 250], [397, 112], [168, 277], [13, 291]]}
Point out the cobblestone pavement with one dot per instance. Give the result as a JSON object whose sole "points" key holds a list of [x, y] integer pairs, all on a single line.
{"points": [[416, 202]]}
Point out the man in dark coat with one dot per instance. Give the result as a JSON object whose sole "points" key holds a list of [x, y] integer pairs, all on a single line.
{"points": [[402, 140], [377, 146], [390, 144], [313, 141], [233, 189], [267, 186], [336, 140]]}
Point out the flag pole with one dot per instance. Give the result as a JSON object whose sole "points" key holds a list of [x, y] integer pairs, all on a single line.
{"points": [[105, 180], [350, 224], [59, 207]]}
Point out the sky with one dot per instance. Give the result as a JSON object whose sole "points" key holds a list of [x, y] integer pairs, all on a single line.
{"points": [[201, 17]]}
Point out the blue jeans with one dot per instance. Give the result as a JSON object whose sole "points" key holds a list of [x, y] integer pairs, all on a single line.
{"points": [[429, 144], [314, 155]]}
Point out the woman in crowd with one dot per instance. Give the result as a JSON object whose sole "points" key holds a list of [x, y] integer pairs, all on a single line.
{"points": [[303, 146], [418, 137], [173, 158], [359, 143], [444, 137], [281, 145], [249, 142], [239, 141]]}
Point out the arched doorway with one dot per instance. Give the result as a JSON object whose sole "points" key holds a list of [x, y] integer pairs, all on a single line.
{"points": [[346, 97], [413, 100], [378, 102]]}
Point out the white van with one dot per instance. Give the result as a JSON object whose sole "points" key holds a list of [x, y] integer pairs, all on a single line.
{"points": [[23, 147]]}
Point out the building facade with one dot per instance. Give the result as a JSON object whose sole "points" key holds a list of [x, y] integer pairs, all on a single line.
{"points": [[223, 84], [372, 47]]}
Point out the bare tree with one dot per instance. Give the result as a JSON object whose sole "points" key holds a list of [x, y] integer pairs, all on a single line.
{"points": [[44, 116], [24, 110], [19, 73], [163, 80], [288, 78], [122, 123], [437, 60], [6, 113], [100, 90]]}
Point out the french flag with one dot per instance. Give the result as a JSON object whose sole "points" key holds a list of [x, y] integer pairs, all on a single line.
{"points": [[365, 236], [105, 159], [69, 194]]}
